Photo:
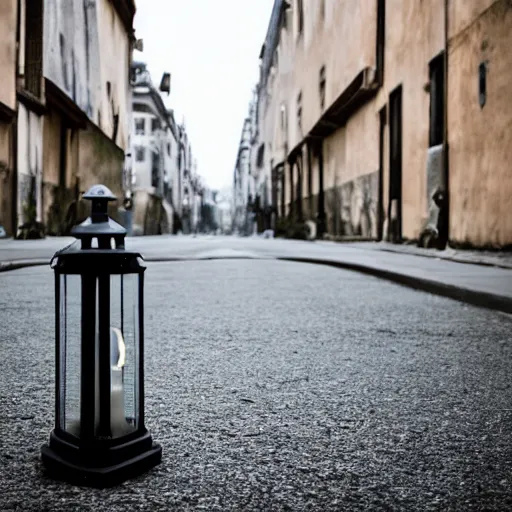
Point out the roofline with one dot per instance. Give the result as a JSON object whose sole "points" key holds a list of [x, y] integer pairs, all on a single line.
{"points": [[126, 10]]}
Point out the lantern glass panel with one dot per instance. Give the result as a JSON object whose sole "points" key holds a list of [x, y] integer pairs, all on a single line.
{"points": [[70, 312], [124, 340]]}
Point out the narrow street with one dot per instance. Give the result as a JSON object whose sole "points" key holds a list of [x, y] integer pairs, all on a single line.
{"points": [[277, 385]]}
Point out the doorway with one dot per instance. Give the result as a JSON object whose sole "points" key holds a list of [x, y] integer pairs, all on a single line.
{"points": [[395, 166]]}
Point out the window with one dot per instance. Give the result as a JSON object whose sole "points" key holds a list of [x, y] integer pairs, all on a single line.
{"points": [[155, 170], [381, 33], [482, 84], [436, 72], [140, 154], [155, 124], [321, 87], [299, 110], [34, 46], [140, 126], [300, 17], [169, 148], [322, 10]]}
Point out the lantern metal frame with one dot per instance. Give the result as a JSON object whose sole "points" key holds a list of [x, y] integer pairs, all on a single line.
{"points": [[95, 458]]}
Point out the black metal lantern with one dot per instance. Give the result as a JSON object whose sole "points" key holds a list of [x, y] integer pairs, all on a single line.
{"points": [[99, 437]]}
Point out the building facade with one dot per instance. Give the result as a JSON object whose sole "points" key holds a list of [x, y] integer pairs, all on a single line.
{"points": [[154, 145], [392, 137], [243, 181], [68, 103]]}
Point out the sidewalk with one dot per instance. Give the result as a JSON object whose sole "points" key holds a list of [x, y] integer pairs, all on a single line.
{"points": [[482, 279], [501, 259]]}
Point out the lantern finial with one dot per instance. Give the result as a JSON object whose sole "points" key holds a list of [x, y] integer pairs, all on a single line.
{"points": [[99, 225]]}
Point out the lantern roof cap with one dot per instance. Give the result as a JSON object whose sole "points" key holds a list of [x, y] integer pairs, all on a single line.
{"points": [[100, 192]]}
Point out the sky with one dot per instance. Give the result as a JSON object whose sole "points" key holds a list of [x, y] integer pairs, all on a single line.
{"points": [[211, 49]]}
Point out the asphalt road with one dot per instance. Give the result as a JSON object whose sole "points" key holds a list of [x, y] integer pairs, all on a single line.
{"points": [[274, 385]]}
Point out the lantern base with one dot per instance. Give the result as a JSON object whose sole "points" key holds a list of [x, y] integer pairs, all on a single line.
{"points": [[100, 464]]}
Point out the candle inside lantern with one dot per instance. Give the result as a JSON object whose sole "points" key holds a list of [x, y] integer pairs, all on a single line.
{"points": [[118, 422]]}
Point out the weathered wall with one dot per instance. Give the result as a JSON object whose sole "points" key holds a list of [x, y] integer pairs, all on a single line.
{"points": [[463, 13], [344, 41], [480, 139], [8, 13], [351, 162], [114, 67], [30, 164], [414, 36], [69, 29], [51, 166], [100, 161]]}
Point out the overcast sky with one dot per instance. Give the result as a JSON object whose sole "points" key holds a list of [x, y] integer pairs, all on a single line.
{"points": [[211, 49]]}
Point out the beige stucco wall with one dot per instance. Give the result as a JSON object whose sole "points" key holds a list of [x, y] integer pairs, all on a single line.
{"points": [[114, 62], [480, 139], [416, 37], [462, 13], [29, 160], [99, 161], [344, 41], [8, 14], [51, 160]]}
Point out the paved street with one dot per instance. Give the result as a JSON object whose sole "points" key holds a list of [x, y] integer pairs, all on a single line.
{"points": [[482, 285], [277, 385]]}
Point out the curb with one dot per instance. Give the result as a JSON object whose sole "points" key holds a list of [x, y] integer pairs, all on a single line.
{"points": [[481, 299], [481, 263], [15, 265]]}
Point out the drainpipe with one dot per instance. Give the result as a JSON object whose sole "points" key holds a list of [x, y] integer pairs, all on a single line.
{"points": [[446, 229]]}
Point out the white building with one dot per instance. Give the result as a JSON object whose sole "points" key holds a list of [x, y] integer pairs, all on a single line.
{"points": [[224, 217], [155, 142], [243, 183]]}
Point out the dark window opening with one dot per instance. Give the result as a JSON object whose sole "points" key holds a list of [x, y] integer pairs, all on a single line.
{"points": [[34, 46], [261, 156], [437, 84], [321, 86], [140, 126], [155, 170], [169, 148], [381, 35], [155, 124], [300, 16], [140, 154], [482, 84], [62, 45]]}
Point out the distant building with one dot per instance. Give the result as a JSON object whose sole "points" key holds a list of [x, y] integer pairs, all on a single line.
{"points": [[223, 212], [243, 183], [154, 146]]}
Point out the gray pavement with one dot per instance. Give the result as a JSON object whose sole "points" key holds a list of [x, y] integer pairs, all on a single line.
{"points": [[275, 385], [483, 285]]}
